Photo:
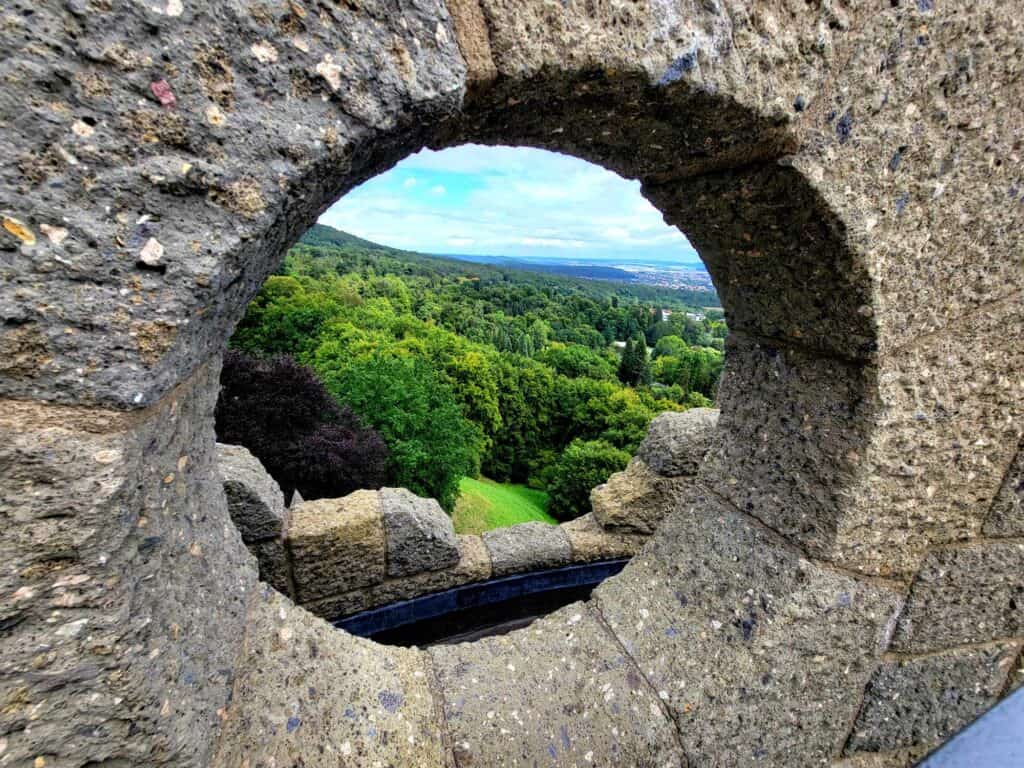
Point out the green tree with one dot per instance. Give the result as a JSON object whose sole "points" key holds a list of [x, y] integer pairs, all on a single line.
{"points": [[670, 345], [528, 403], [432, 444], [582, 466], [284, 319], [633, 368], [694, 369], [575, 360]]}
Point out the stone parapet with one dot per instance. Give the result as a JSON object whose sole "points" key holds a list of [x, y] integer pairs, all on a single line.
{"points": [[301, 682], [474, 564], [257, 508], [341, 556], [336, 545], [677, 442], [590, 541], [848, 172], [420, 535], [527, 547], [635, 500], [499, 707], [712, 583], [255, 501]]}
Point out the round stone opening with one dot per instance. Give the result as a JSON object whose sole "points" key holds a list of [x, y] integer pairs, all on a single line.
{"points": [[848, 174], [516, 390]]}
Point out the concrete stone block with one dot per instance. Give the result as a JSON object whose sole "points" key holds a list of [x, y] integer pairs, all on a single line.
{"points": [[590, 542], [949, 421], [527, 547], [761, 654], [676, 443], [792, 428], [964, 594], [255, 500], [560, 691], [336, 545], [636, 499], [474, 565], [420, 535], [124, 587], [311, 695], [1007, 515], [274, 564], [925, 700]]}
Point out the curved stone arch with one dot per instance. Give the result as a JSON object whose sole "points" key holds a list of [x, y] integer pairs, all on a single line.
{"points": [[154, 189]]}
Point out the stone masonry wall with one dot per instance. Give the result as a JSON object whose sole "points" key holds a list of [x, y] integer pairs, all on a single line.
{"points": [[953, 651], [337, 557], [841, 587]]}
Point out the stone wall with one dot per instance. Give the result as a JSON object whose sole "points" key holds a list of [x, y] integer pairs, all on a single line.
{"points": [[952, 645], [850, 173], [337, 557]]}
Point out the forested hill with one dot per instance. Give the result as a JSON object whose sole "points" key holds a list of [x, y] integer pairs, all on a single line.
{"points": [[460, 369], [507, 269], [321, 234]]}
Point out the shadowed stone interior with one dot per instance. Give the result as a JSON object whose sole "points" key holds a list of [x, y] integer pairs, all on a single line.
{"points": [[850, 171]]}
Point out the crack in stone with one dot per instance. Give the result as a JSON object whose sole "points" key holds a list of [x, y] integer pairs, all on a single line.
{"points": [[676, 729], [436, 689]]}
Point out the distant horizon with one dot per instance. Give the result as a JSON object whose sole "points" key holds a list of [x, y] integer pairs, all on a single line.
{"points": [[516, 203], [610, 261]]}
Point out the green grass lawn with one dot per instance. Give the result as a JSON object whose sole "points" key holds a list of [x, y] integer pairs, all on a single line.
{"points": [[484, 504]]}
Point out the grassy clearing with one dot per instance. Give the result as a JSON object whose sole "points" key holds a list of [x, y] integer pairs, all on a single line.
{"points": [[484, 504]]}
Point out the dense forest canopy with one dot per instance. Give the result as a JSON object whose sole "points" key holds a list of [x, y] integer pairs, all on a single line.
{"points": [[466, 368]]}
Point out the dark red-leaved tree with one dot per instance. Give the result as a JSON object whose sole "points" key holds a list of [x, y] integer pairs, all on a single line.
{"points": [[281, 412]]}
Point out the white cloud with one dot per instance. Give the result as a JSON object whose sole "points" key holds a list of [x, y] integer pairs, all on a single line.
{"points": [[513, 201], [550, 242]]}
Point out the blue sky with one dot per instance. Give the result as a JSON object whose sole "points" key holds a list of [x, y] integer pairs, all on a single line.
{"points": [[510, 201]]}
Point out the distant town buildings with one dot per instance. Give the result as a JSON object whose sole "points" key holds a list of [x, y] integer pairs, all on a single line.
{"points": [[690, 279], [664, 314]]}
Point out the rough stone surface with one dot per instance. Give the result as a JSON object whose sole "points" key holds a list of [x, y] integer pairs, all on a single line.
{"points": [[474, 565], [527, 547], [123, 583], [474, 42], [336, 545], [180, 154], [900, 758], [420, 535], [950, 418], [792, 429], [849, 171], [559, 693], [308, 694], [676, 443], [255, 500], [636, 499], [274, 564], [1007, 515], [926, 700], [967, 594], [761, 654], [589, 541]]}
